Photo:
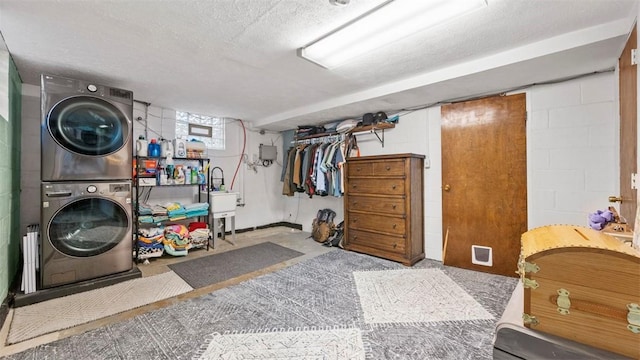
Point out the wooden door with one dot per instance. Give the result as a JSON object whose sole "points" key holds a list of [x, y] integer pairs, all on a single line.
{"points": [[628, 129], [484, 180]]}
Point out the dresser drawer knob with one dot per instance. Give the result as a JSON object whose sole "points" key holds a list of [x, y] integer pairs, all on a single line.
{"points": [[355, 204], [355, 220], [394, 206], [394, 226], [388, 167], [393, 187], [355, 237], [395, 245]]}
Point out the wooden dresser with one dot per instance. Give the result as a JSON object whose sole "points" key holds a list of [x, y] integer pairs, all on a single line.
{"points": [[383, 206]]}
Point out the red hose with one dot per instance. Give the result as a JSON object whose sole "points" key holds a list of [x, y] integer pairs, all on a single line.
{"points": [[244, 144]]}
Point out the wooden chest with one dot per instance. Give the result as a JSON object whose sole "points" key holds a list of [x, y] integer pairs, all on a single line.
{"points": [[384, 203], [582, 285]]}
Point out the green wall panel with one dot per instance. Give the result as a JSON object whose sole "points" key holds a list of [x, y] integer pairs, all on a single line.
{"points": [[15, 114], [10, 135]]}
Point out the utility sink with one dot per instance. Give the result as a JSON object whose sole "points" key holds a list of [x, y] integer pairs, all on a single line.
{"points": [[222, 202], [222, 205]]}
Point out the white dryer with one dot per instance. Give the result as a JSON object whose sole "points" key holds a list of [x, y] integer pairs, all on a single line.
{"points": [[86, 231], [86, 130]]}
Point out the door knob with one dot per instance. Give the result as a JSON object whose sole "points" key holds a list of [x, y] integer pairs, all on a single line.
{"points": [[447, 187], [615, 199]]}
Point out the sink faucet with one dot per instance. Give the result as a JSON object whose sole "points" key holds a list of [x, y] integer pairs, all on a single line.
{"points": [[221, 178]]}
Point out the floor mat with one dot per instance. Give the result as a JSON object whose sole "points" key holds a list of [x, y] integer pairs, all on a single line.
{"points": [[230, 264], [42, 318]]}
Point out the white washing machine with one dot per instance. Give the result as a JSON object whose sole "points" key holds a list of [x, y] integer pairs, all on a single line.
{"points": [[86, 130], [86, 231]]}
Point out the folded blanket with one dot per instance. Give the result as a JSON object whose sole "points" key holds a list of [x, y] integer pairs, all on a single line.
{"points": [[147, 219], [151, 232], [172, 206], [197, 206], [150, 241], [158, 210], [160, 218], [144, 209], [151, 246], [196, 213], [178, 211]]}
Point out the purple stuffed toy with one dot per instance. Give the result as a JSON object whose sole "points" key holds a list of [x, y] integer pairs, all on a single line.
{"points": [[600, 219]]}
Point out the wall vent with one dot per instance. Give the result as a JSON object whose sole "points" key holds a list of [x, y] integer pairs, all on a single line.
{"points": [[481, 255]]}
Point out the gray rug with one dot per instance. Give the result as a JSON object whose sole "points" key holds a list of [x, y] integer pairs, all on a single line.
{"points": [[216, 268], [313, 310]]}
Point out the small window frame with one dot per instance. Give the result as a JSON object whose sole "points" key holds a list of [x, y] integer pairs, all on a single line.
{"points": [[208, 129]]}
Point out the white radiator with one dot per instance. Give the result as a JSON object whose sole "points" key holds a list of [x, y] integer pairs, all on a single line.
{"points": [[30, 259]]}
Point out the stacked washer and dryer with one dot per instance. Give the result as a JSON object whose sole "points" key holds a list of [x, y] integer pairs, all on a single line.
{"points": [[86, 212]]}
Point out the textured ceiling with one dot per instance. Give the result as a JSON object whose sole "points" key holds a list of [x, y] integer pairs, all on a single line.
{"points": [[237, 58]]}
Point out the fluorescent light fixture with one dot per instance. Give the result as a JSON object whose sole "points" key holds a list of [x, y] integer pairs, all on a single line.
{"points": [[385, 24]]}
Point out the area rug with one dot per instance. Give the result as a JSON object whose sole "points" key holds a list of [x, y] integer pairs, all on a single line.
{"points": [[310, 310], [216, 268], [64, 312], [421, 295], [301, 344]]}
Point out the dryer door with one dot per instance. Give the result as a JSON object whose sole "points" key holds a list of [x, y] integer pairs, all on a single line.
{"points": [[88, 126], [88, 227]]}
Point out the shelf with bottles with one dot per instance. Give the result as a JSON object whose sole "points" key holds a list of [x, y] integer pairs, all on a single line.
{"points": [[151, 172], [193, 149], [162, 171]]}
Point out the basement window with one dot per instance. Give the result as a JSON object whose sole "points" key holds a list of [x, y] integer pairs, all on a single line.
{"points": [[208, 129]]}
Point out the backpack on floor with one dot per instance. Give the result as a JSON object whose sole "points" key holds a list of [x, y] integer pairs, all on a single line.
{"points": [[322, 227], [336, 238]]}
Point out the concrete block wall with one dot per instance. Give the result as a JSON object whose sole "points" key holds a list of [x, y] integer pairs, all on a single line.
{"points": [[572, 149]]}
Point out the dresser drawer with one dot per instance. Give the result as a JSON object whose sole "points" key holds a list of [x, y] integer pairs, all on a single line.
{"points": [[376, 186], [380, 223], [359, 169], [389, 168], [376, 168], [392, 206], [387, 243]]}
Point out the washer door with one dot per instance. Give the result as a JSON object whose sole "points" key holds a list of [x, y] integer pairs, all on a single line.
{"points": [[88, 227], [88, 126]]}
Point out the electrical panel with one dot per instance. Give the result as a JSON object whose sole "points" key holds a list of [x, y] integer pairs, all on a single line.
{"points": [[268, 152]]}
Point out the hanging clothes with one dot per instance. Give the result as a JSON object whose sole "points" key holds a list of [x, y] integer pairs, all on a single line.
{"points": [[316, 169], [288, 188]]}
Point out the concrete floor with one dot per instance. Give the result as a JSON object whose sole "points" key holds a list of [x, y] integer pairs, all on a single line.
{"points": [[291, 238]]}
